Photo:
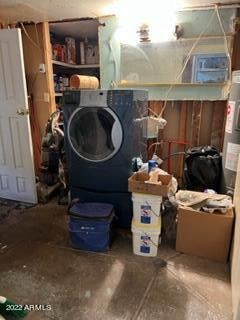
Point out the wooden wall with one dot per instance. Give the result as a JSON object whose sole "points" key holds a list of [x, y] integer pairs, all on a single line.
{"points": [[196, 122], [35, 46]]}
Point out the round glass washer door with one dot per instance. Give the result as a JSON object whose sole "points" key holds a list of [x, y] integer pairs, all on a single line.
{"points": [[95, 133]]}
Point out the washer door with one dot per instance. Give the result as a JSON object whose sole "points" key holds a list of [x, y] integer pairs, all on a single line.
{"points": [[95, 133]]}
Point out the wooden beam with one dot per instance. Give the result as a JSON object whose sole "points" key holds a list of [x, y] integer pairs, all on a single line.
{"points": [[196, 123], [182, 137], [32, 37], [219, 108], [47, 49], [183, 121], [224, 123]]}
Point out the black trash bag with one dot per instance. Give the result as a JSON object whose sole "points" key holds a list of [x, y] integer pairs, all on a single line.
{"points": [[203, 169]]}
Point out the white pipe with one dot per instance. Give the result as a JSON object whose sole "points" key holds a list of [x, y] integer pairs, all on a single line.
{"points": [[210, 7]]}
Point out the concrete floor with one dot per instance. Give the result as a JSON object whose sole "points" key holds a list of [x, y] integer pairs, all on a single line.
{"points": [[37, 266]]}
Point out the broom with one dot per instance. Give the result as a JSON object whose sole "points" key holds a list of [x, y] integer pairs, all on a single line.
{"points": [[11, 309]]}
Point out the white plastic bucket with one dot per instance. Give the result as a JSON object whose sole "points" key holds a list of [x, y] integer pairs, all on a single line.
{"points": [[145, 239], [146, 208]]}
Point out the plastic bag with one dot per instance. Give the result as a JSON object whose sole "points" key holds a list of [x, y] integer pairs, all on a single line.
{"points": [[203, 168]]}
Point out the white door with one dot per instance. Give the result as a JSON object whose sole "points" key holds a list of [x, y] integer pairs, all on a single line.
{"points": [[17, 177], [235, 272]]}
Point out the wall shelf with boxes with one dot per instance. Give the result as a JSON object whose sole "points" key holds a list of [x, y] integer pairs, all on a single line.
{"points": [[75, 51]]}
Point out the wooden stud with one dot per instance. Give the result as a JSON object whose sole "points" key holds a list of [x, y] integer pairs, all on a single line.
{"points": [[218, 124], [183, 121], [223, 124], [182, 137], [196, 123], [48, 65]]}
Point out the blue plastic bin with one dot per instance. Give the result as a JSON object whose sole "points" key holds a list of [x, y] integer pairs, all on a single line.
{"points": [[91, 225]]}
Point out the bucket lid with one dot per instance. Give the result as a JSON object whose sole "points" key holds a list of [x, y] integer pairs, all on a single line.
{"points": [[92, 210], [145, 227], [144, 196]]}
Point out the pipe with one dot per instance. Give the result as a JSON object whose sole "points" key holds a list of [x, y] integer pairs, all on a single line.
{"points": [[211, 7]]}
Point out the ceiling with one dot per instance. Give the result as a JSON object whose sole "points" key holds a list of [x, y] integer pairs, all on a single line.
{"points": [[12, 11], [76, 29]]}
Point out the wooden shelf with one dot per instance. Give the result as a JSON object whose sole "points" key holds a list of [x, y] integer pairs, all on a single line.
{"points": [[75, 66], [182, 40], [134, 84]]}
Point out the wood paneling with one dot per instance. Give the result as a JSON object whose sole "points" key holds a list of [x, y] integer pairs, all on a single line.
{"points": [[182, 137], [195, 122], [218, 121], [236, 44]]}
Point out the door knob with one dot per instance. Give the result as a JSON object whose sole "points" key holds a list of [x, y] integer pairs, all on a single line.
{"points": [[22, 112]]}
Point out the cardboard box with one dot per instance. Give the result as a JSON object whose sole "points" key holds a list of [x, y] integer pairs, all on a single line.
{"points": [[70, 50], [136, 183], [91, 54], [204, 234]]}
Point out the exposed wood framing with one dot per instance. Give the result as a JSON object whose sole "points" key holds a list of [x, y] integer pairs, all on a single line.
{"points": [[217, 124], [196, 122], [48, 64], [38, 83], [182, 137], [155, 107], [183, 121]]}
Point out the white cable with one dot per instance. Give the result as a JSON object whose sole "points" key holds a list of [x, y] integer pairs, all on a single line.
{"points": [[37, 35], [225, 42], [156, 144], [29, 38], [154, 113]]}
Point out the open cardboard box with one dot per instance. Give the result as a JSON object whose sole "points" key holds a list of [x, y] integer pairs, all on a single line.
{"points": [[136, 183], [204, 234]]}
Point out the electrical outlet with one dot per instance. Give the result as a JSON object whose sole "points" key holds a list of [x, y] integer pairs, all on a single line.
{"points": [[42, 68], [46, 97]]}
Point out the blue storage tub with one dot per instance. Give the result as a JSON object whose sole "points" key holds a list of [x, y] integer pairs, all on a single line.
{"points": [[91, 225]]}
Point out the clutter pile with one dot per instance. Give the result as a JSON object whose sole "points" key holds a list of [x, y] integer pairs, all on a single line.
{"points": [[204, 201], [74, 51], [51, 177], [204, 225]]}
